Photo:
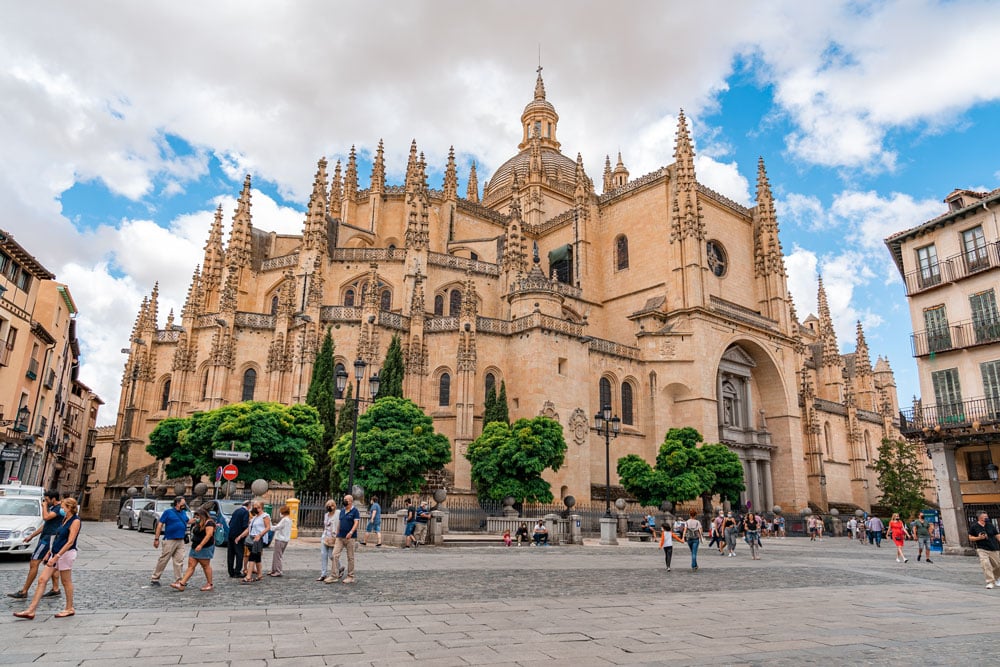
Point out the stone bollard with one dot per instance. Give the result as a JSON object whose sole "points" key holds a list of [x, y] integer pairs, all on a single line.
{"points": [[293, 513], [552, 525], [444, 521], [575, 529], [401, 526], [434, 534]]}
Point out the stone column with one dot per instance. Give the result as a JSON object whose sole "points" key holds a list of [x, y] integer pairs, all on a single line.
{"points": [[609, 531], [575, 532], [768, 489], [753, 494], [956, 529]]}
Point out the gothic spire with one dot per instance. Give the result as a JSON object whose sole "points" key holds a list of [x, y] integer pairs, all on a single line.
{"points": [[831, 355], [515, 197], [378, 170], [336, 192], [214, 255], [351, 176], [411, 167], [608, 183], [472, 190], [193, 303], [238, 252], [583, 184], [687, 214], [314, 234], [153, 312], [768, 256], [862, 357], [450, 176]]}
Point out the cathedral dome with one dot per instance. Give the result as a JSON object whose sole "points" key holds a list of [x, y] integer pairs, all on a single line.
{"points": [[555, 167]]}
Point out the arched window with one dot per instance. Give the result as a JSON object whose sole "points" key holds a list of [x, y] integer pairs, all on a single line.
{"points": [[338, 368], [444, 390], [349, 298], [274, 304], [627, 413], [605, 393], [621, 253], [165, 397], [828, 440], [439, 305], [249, 384], [455, 303], [386, 302], [491, 383], [731, 408], [204, 386]]}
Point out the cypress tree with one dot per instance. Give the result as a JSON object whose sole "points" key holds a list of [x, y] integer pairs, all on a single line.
{"points": [[490, 406], [345, 423], [503, 414], [391, 375], [321, 395]]}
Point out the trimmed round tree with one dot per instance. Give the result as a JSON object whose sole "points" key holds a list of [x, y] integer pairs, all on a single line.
{"points": [[508, 460]]}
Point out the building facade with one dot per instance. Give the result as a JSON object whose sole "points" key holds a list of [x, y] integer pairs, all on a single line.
{"points": [[39, 364], [951, 269], [658, 297]]}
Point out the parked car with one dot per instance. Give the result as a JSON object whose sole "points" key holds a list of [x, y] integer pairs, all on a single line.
{"points": [[128, 515], [150, 516], [20, 515]]}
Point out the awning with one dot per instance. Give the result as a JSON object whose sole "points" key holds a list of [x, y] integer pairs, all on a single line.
{"points": [[560, 254]]}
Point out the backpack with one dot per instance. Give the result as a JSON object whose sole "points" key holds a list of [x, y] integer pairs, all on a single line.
{"points": [[221, 530]]}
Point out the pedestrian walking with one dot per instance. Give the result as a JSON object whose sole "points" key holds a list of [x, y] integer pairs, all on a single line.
{"points": [[328, 541], [983, 536], [236, 541], [897, 531], [751, 529], [374, 522], [811, 527], [852, 528], [779, 526], [920, 531], [52, 517], [715, 533], [729, 533], [411, 525], [667, 544], [875, 528], [170, 532], [347, 532], [257, 529], [202, 550], [692, 535], [282, 535], [59, 562]]}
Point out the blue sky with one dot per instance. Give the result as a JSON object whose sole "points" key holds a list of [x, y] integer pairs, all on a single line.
{"points": [[120, 142]]}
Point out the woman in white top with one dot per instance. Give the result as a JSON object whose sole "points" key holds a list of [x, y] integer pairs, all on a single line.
{"points": [[282, 535], [260, 524], [330, 522], [692, 535]]}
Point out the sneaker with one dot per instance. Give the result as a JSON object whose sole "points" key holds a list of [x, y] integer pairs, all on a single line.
{"points": [[897, 560], [919, 556], [906, 560], [668, 569], [379, 544], [929, 560], [52, 594], [19, 595], [348, 580], [989, 585], [154, 582]]}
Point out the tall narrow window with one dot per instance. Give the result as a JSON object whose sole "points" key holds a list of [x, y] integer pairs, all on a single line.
{"points": [[349, 298], [938, 333], [204, 385], [386, 301], [274, 304], [974, 249], [165, 395], [604, 389], [991, 387], [491, 383], [621, 253], [444, 390], [731, 409], [828, 440], [930, 270], [947, 395], [249, 384], [455, 303], [985, 319], [868, 446], [439, 305], [337, 369], [628, 416]]}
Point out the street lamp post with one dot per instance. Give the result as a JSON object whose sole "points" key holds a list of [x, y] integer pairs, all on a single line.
{"points": [[607, 426], [373, 384]]}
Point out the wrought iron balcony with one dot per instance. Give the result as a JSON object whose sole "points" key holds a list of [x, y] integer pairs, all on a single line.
{"points": [[32, 373], [954, 268], [955, 336], [974, 413]]}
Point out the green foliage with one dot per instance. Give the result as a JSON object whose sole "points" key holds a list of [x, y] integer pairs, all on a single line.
{"points": [[899, 477], [167, 442], [396, 448], [641, 481], [393, 370], [490, 406], [509, 460], [345, 422], [277, 436], [728, 472], [322, 396], [502, 413]]}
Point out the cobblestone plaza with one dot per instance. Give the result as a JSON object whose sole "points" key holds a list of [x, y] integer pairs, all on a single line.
{"points": [[832, 602]]}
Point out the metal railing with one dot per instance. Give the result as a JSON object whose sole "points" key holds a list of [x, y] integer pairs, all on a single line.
{"points": [[961, 414], [32, 373], [956, 336], [954, 268]]}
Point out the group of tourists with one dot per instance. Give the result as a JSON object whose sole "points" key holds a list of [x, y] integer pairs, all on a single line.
{"points": [[56, 550]]}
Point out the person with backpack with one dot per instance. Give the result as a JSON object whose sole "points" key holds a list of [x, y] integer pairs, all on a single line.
{"points": [[255, 534], [692, 535], [173, 527]]}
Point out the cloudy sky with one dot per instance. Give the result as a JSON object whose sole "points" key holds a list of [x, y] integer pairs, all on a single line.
{"points": [[123, 125]]}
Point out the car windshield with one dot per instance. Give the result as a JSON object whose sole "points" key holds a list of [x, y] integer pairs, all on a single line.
{"points": [[20, 507], [163, 505]]}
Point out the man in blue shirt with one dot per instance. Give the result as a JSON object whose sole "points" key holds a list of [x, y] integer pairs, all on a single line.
{"points": [[347, 533], [52, 514], [374, 522], [173, 526]]}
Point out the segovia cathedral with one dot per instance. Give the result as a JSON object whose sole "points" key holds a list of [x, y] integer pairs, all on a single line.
{"points": [[658, 297]]}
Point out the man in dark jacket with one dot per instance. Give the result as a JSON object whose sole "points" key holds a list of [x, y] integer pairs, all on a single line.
{"points": [[234, 549]]}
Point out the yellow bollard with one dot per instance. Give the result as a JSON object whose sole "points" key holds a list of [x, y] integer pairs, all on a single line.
{"points": [[293, 512]]}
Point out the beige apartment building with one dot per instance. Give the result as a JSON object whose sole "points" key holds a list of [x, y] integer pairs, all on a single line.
{"points": [[39, 364], [951, 269], [657, 296]]}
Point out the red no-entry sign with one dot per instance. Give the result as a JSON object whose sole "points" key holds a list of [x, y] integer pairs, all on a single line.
{"points": [[229, 472]]}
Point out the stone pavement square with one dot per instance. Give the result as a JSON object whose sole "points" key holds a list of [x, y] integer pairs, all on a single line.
{"points": [[831, 602]]}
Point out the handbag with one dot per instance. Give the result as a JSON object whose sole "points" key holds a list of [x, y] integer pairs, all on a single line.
{"points": [[329, 541], [256, 546]]}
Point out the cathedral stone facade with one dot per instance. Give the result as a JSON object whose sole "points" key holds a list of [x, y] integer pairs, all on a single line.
{"points": [[659, 297]]}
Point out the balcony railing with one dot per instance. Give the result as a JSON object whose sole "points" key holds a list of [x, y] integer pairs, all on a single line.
{"points": [[955, 336], [6, 350], [962, 414], [32, 373], [954, 268], [50, 379]]}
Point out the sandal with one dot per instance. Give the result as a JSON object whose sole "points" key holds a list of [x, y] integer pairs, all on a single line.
{"points": [[27, 615], [65, 613], [246, 581], [206, 587], [255, 579], [178, 585]]}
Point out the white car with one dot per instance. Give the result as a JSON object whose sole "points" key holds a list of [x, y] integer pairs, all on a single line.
{"points": [[19, 517]]}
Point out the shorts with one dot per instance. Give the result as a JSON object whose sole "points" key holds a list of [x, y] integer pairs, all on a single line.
{"points": [[924, 543], [410, 527], [42, 549], [65, 561], [374, 526]]}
